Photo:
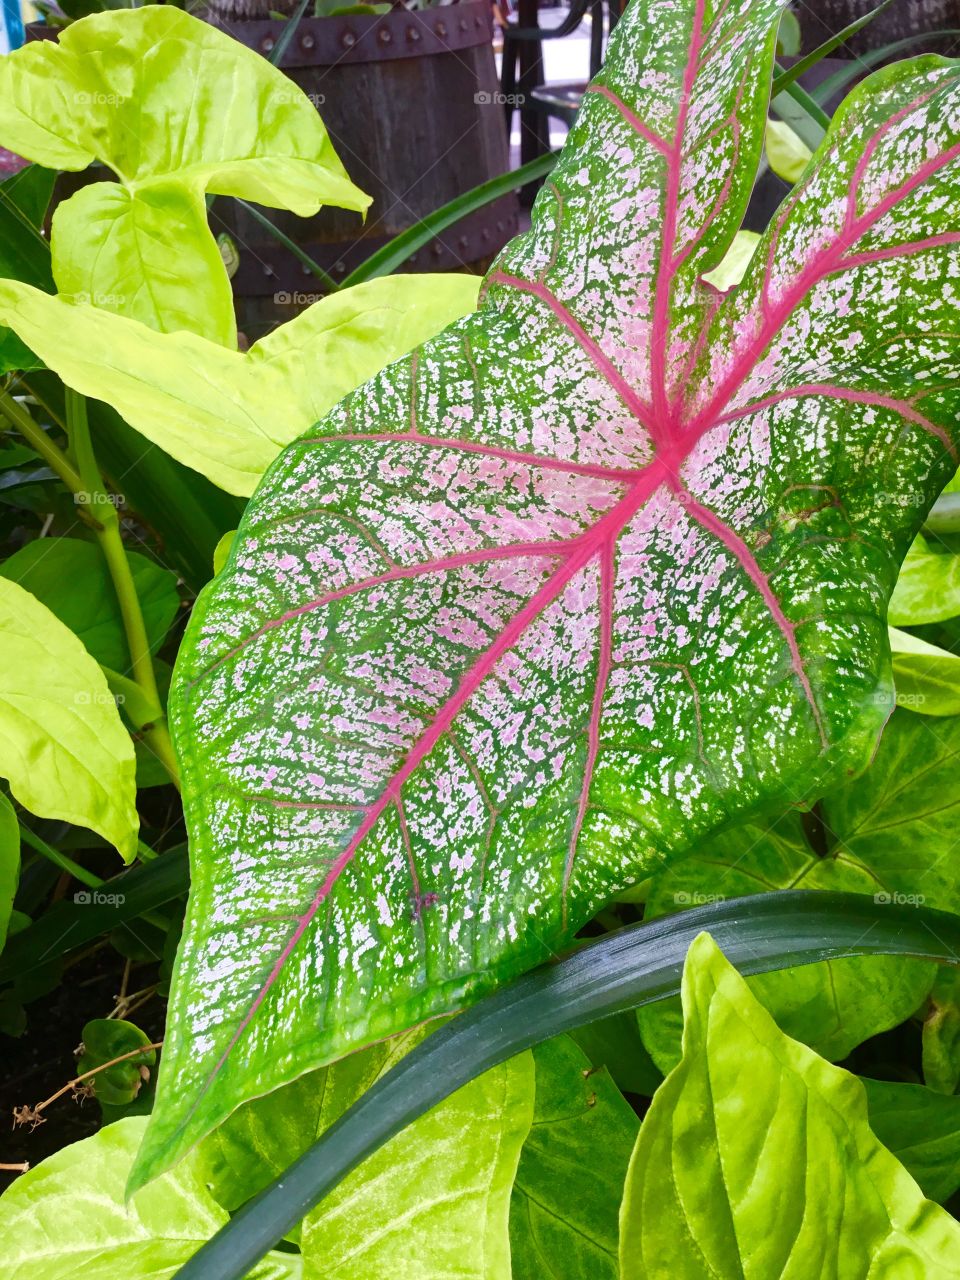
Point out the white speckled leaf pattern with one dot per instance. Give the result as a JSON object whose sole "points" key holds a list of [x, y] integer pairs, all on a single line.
{"points": [[596, 569]]}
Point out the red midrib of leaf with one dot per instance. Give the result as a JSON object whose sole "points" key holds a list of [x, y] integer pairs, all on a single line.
{"points": [[673, 442]]}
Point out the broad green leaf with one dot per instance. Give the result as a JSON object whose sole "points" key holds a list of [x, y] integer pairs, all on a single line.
{"points": [[267, 1134], [434, 1202], [787, 153], [566, 1198], [832, 1007], [70, 577], [756, 1160], [922, 1129], [941, 1034], [62, 747], [593, 572], [9, 864], [900, 818], [927, 677], [223, 413], [928, 589], [67, 1217], [24, 254], [176, 108]]}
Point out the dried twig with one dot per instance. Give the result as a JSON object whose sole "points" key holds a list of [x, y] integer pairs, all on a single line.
{"points": [[32, 1115]]}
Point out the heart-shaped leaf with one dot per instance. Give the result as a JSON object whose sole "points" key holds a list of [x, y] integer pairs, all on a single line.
{"points": [[175, 108], [591, 572]]}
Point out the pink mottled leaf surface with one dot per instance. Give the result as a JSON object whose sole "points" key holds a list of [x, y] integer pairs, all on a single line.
{"points": [[601, 567]]}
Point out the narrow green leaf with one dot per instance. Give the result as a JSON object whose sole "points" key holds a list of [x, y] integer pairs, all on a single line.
{"points": [[831, 1007], [224, 413], [922, 1129], [566, 1198], [788, 77], [756, 1159], [391, 256], [9, 863], [615, 973], [70, 577], [63, 747], [24, 254], [121, 88]]}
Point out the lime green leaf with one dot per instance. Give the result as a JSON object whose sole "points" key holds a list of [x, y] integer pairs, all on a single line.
{"points": [[63, 747], [175, 108], [220, 412], [732, 267], [222, 550], [67, 1217], [433, 1202], [787, 153], [70, 577], [900, 817], [833, 1006], [9, 864], [566, 1198], [927, 677], [928, 589], [941, 1034], [922, 1129], [756, 1159]]}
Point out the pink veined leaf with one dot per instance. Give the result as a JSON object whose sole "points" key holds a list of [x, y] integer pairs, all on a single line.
{"points": [[601, 567]]}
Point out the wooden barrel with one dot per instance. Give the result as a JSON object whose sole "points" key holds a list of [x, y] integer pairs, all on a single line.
{"points": [[411, 102]]}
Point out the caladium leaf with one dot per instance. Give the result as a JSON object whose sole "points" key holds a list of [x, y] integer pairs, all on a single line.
{"points": [[591, 572]]}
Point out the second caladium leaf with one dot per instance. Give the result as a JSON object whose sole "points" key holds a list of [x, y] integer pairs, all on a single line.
{"points": [[593, 571]]}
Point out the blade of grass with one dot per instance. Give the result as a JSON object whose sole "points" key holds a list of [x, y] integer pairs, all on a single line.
{"points": [[620, 971], [839, 81], [393, 254], [786, 78]]}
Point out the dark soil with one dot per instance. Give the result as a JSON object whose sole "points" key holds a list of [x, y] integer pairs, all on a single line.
{"points": [[42, 1060]]}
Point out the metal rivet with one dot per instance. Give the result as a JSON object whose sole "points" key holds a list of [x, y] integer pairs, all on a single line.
{"points": [[308, 41], [441, 29], [384, 36], [464, 242], [485, 233], [267, 43], [412, 259], [413, 33], [500, 225], [349, 39], [463, 24], [340, 268], [437, 250]]}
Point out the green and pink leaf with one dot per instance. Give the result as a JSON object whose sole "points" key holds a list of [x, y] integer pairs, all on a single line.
{"points": [[596, 570]]}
